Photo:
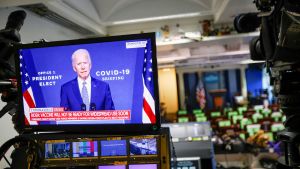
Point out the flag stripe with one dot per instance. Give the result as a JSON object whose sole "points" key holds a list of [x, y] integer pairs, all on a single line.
{"points": [[148, 111], [149, 98], [148, 83], [145, 117], [26, 113], [27, 95]]}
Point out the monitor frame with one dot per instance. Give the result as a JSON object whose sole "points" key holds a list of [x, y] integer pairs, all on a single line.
{"points": [[88, 128]]}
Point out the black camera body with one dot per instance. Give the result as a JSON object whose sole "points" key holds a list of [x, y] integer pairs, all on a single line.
{"points": [[279, 45], [9, 36]]}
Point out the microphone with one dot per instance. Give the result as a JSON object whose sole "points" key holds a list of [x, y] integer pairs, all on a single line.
{"points": [[83, 107], [93, 107]]}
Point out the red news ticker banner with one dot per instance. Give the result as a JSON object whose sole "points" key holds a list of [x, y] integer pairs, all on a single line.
{"points": [[56, 114]]}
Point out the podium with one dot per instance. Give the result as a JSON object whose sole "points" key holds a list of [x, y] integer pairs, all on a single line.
{"points": [[218, 97]]}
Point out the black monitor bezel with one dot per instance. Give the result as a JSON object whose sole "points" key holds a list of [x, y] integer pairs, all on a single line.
{"points": [[100, 128]]}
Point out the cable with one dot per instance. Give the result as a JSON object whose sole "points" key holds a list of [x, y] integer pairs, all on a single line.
{"points": [[173, 152], [30, 145], [7, 160]]}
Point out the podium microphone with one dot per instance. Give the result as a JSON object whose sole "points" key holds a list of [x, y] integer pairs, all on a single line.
{"points": [[93, 107], [83, 107]]}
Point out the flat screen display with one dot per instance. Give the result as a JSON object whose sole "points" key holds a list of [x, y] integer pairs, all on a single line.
{"points": [[85, 149], [113, 148], [186, 163], [57, 150], [143, 166], [143, 146], [101, 81], [112, 167]]}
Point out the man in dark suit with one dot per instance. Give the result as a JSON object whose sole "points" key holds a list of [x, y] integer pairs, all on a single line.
{"points": [[85, 92]]}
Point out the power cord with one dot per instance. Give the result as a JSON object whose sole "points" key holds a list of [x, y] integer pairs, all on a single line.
{"points": [[26, 151]]}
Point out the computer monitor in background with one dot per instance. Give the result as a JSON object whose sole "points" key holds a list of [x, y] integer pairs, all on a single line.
{"points": [[120, 90]]}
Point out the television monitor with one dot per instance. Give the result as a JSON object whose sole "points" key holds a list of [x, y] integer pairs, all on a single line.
{"points": [[113, 148], [112, 167], [143, 146], [91, 85], [85, 149], [142, 166], [57, 149], [186, 163]]}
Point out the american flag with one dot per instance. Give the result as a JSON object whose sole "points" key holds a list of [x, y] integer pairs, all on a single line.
{"points": [[28, 98], [148, 94]]}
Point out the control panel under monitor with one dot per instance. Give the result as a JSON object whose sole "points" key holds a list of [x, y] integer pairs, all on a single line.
{"points": [[89, 85], [107, 152]]}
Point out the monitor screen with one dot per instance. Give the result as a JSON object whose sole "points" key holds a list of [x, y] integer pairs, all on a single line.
{"points": [[113, 148], [143, 166], [57, 150], [101, 81], [186, 163], [85, 149], [112, 167], [143, 146]]}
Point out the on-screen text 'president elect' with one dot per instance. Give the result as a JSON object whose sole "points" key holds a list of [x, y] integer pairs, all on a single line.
{"points": [[85, 92]]}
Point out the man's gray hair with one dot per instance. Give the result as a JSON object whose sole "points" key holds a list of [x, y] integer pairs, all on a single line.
{"points": [[80, 52]]}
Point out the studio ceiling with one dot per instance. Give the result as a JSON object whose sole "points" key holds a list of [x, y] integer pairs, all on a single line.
{"points": [[96, 15], [103, 17]]}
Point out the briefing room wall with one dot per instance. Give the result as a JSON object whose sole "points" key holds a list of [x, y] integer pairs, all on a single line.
{"points": [[167, 85]]}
